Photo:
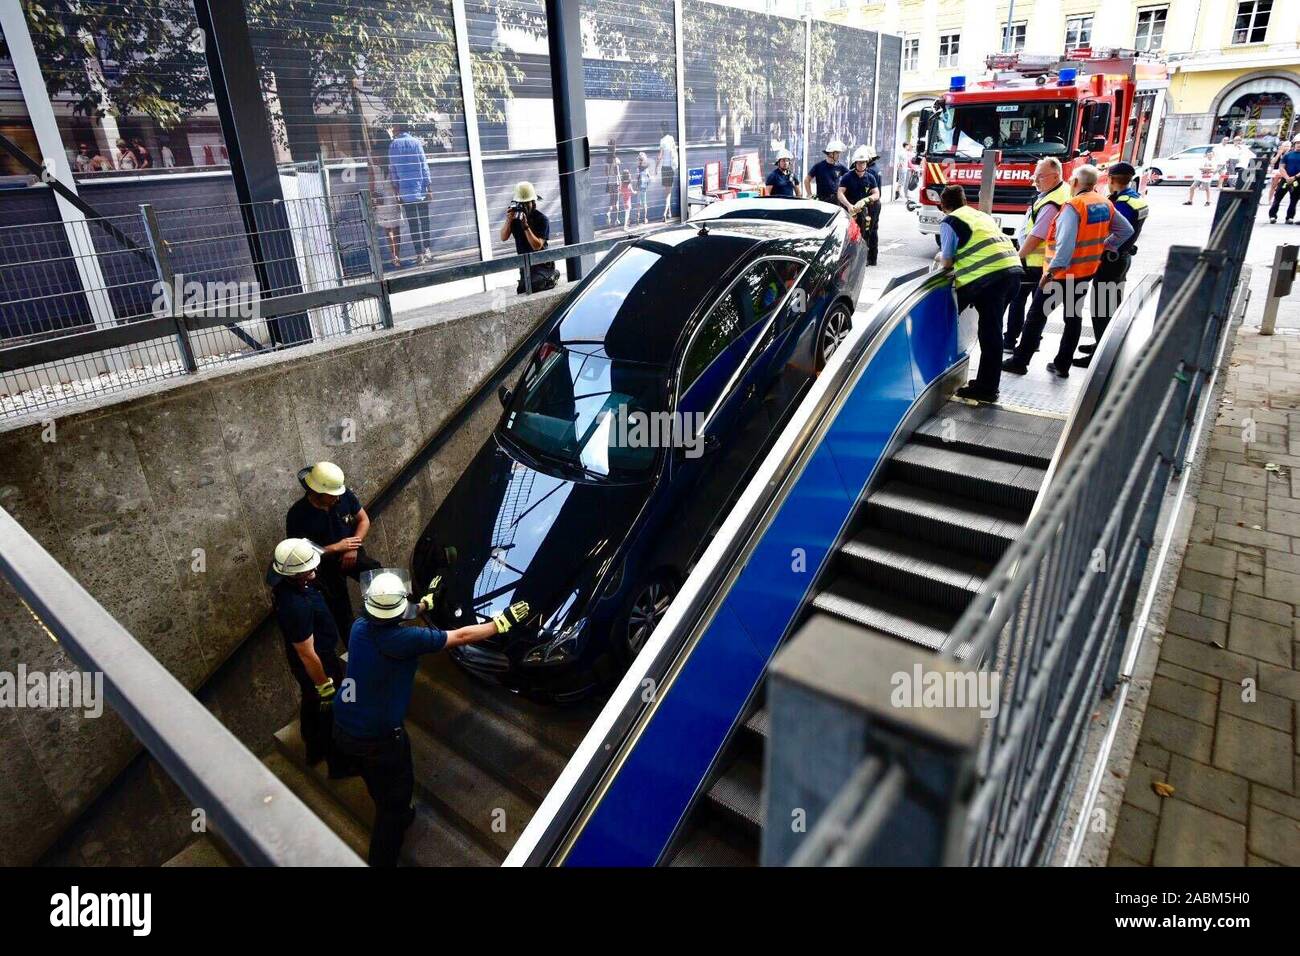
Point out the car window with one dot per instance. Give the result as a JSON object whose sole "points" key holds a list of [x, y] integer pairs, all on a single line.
{"points": [[751, 300], [719, 330]]}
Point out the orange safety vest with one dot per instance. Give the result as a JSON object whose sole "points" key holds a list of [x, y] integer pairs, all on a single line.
{"points": [[1094, 211]]}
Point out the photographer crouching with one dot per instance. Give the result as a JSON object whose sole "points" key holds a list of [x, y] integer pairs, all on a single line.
{"points": [[531, 229]]}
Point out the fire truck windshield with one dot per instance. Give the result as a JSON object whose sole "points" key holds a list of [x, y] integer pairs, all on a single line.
{"points": [[1030, 129]]}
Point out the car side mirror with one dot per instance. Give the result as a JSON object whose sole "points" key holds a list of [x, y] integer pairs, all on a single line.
{"points": [[503, 393]]}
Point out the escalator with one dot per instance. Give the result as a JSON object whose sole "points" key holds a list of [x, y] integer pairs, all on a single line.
{"points": [[899, 501], [949, 503]]}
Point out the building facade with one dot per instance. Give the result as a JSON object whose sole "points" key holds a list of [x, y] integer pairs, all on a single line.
{"points": [[1234, 65]]}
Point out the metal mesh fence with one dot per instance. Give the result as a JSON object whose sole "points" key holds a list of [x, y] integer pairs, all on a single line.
{"points": [[96, 306]]}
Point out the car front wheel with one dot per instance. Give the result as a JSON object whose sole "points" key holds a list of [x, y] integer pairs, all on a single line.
{"points": [[647, 607]]}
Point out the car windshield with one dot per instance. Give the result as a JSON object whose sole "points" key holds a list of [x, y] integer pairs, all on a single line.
{"points": [[1032, 129], [578, 409]]}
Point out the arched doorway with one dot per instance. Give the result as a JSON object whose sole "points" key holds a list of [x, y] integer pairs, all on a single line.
{"points": [[1261, 109]]}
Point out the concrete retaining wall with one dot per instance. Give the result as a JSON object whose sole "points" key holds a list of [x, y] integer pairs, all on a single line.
{"points": [[128, 496]]}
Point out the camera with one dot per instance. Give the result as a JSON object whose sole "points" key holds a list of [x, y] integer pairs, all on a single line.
{"points": [[519, 211]]}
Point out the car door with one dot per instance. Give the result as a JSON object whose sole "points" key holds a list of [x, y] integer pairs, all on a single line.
{"points": [[1189, 162]]}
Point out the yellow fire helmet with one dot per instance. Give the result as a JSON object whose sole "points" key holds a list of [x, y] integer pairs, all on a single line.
{"points": [[325, 478]]}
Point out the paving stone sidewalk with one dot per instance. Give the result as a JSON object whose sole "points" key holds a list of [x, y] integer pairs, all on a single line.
{"points": [[1214, 781]]}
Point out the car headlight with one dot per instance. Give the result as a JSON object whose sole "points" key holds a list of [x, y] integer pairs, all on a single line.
{"points": [[556, 648]]}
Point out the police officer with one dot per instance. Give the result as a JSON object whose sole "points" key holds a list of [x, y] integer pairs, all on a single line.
{"points": [[823, 179], [1108, 283], [987, 274], [310, 642], [531, 230], [1053, 193], [330, 515], [859, 194], [1082, 231], [781, 181], [383, 655]]}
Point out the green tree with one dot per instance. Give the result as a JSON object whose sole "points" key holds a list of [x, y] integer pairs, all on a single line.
{"points": [[398, 56]]}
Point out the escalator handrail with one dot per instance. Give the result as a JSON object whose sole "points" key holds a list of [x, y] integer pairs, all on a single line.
{"points": [[626, 712]]}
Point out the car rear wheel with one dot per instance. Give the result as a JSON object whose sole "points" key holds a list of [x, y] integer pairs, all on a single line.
{"points": [[834, 329]]}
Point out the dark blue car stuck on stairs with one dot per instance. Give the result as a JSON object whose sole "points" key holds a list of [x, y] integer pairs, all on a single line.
{"points": [[661, 383]]}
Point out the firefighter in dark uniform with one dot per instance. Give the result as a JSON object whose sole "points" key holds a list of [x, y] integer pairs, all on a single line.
{"points": [[987, 274], [310, 641], [1108, 283], [859, 194], [823, 177], [383, 655], [331, 515]]}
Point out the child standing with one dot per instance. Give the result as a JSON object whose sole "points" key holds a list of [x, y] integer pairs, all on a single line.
{"points": [[643, 188], [625, 197]]}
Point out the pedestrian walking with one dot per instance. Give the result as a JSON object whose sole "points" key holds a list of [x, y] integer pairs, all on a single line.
{"points": [[410, 171], [668, 168]]}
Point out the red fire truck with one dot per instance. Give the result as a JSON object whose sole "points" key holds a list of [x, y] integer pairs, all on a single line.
{"points": [[1090, 106]]}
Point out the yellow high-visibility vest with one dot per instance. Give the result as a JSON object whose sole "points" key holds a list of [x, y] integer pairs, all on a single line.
{"points": [[986, 251], [1059, 195]]}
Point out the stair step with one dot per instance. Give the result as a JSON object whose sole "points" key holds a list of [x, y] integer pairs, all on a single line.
{"points": [[738, 792], [701, 846], [992, 433], [468, 795], [913, 568], [201, 852], [760, 722], [888, 614], [310, 788], [560, 728], [445, 711], [948, 521], [1005, 483], [430, 840]]}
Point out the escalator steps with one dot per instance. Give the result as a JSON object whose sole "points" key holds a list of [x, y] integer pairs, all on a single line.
{"points": [[972, 476], [992, 433], [868, 607], [959, 524], [913, 568], [738, 793]]}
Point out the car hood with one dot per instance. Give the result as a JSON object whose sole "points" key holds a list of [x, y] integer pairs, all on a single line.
{"points": [[509, 531]]}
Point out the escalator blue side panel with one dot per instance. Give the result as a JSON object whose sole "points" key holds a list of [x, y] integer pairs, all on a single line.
{"points": [[933, 337], [634, 821]]}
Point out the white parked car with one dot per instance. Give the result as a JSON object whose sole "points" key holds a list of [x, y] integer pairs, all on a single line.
{"points": [[1179, 168]]}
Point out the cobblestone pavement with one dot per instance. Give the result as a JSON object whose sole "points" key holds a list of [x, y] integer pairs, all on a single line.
{"points": [[1215, 776]]}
